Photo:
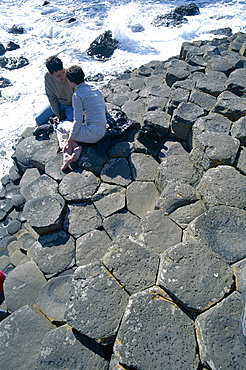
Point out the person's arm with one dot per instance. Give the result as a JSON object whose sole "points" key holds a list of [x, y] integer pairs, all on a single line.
{"points": [[52, 97]]}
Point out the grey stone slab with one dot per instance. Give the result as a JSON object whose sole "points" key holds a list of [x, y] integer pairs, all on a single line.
{"points": [[53, 168], [45, 214], [223, 185], [97, 303], [177, 96], [236, 83], [91, 160], [53, 297], [155, 334], [144, 167], [171, 148], [217, 333], [158, 232], [22, 286], [194, 276], [81, 218], [123, 223], [161, 120], [116, 171], [54, 253], [63, 349], [204, 100], [238, 130], [176, 168], [76, 187], [121, 150], [241, 161], [176, 195], [230, 106], [91, 247], [17, 258], [35, 153], [29, 175], [184, 116], [141, 197], [109, 199], [132, 264], [239, 269], [135, 109], [185, 214], [212, 84], [43, 185], [21, 335], [211, 149], [222, 229]]}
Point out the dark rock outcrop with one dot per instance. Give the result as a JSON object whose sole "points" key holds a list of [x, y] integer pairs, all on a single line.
{"points": [[103, 46]]}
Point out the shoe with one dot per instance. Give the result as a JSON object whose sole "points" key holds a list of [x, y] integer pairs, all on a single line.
{"points": [[242, 324], [43, 130]]}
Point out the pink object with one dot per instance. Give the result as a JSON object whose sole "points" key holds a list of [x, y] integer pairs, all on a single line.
{"points": [[2, 278]]}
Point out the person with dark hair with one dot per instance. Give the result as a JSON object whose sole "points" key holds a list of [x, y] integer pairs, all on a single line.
{"points": [[89, 124], [59, 93]]}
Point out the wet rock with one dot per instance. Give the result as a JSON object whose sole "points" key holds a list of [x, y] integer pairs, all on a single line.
{"points": [[220, 325], [147, 338], [13, 63], [4, 82], [133, 265], [184, 261], [12, 46], [91, 247], [229, 244], [53, 297], [22, 286], [158, 232], [45, 214], [16, 29], [68, 349], [23, 329], [103, 46], [91, 298]]}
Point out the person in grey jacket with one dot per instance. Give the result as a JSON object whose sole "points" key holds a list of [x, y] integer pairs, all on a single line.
{"points": [[89, 124]]}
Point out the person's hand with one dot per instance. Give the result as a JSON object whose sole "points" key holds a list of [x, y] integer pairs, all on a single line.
{"points": [[56, 119]]}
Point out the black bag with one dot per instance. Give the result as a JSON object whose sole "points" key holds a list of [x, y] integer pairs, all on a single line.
{"points": [[151, 136]]}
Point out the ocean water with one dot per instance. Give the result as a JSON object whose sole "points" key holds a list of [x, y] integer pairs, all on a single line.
{"points": [[47, 32]]}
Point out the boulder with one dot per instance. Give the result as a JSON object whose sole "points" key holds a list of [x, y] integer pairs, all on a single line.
{"points": [[236, 82], [13, 63], [149, 339], [230, 106], [238, 130], [103, 46], [94, 293]]}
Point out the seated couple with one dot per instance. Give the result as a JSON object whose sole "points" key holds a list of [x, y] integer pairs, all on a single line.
{"points": [[78, 108]]}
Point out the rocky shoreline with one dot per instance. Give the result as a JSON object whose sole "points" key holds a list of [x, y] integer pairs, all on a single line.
{"points": [[135, 258]]}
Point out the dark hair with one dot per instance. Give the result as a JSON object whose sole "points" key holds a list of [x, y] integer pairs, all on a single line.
{"points": [[75, 74], [54, 64]]}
